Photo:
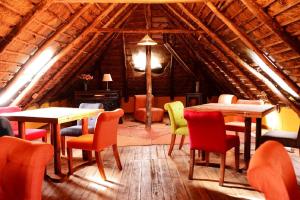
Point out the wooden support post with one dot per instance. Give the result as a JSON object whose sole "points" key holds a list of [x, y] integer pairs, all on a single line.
{"points": [[172, 78], [124, 71], [148, 88]]}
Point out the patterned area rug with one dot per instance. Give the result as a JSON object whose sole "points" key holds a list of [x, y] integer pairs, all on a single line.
{"points": [[134, 133]]}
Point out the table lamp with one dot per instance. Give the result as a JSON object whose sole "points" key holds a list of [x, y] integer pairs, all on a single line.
{"points": [[107, 78]]}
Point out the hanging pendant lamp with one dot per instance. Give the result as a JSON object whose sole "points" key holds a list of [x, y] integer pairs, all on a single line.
{"points": [[147, 41]]}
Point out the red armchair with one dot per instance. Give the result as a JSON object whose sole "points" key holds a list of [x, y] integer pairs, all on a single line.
{"points": [[271, 172], [31, 133], [140, 110], [207, 133], [105, 135], [22, 168]]}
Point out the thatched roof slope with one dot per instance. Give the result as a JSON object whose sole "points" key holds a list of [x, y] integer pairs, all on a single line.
{"points": [[226, 41]]}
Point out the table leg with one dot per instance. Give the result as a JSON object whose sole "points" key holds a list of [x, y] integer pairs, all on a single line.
{"points": [[21, 129], [86, 155], [55, 134], [247, 141], [258, 132]]}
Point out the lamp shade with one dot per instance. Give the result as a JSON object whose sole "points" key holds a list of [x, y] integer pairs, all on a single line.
{"points": [[147, 41], [106, 78]]}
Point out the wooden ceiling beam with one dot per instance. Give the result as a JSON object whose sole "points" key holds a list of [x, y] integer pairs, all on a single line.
{"points": [[67, 48], [129, 1], [244, 38], [237, 59], [149, 31], [272, 24], [17, 29], [212, 46]]}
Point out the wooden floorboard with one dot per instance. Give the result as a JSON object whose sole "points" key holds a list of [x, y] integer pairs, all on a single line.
{"points": [[148, 173]]}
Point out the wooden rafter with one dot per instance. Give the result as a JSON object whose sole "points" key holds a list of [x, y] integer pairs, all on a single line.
{"points": [[41, 7], [272, 24], [191, 26], [244, 38], [67, 48], [237, 59], [149, 31], [129, 1]]}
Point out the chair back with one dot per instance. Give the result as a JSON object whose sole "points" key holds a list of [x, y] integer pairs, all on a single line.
{"points": [[22, 168], [91, 120], [106, 128], [9, 109], [206, 130], [140, 101], [271, 172], [227, 99], [5, 127], [175, 111]]}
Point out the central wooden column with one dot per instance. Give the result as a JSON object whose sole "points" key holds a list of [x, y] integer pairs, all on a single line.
{"points": [[148, 88]]}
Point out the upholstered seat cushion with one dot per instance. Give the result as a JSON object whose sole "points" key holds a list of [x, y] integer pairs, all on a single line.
{"points": [[75, 130], [182, 131], [32, 133], [84, 142], [281, 134], [157, 114]]}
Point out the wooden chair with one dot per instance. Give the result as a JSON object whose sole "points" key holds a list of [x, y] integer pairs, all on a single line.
{"points": [[22, 168], [140, 110], [105, 135], [207, 133], [76, 130], [178, 123], [271, 172]]}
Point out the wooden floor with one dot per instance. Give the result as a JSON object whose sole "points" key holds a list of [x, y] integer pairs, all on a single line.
{"points": [[148, 173]]}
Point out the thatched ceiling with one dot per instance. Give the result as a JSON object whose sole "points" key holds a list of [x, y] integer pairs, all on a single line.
{"points": [[223, 35]]}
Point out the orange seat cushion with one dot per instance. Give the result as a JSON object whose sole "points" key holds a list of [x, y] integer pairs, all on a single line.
{"points": [[84, 142], [157, 114]]}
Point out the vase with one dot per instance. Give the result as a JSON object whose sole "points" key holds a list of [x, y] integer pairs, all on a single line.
{"points": [[85, 85]]}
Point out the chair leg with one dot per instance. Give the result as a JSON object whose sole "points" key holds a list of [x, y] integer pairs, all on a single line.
{"points": [[207, 158], [237, 158], [70, 161], [117, 156], [222, 168], [63, 145], [100, 165], [181, 141], [192, 162], [172, 144]]}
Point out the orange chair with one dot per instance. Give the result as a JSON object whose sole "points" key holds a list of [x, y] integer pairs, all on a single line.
{"points": [[271, 172], [237, 124], [22, 168], [105, 135], [140, 110]]}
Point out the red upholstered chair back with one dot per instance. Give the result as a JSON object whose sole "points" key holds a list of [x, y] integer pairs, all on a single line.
{"points": [[106, 129], [9, 109], [140, 101], [271, 172], [22, 167], [206, 131]]}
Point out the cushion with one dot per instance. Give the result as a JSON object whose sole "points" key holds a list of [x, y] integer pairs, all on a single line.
{"points": [[75, 130], [281, 134], [182, 131], [84, 142], [32, 133]]}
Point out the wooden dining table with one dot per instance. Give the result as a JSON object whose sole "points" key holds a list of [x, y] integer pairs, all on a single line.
{"points": [[247, 111], [54, 116]]}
